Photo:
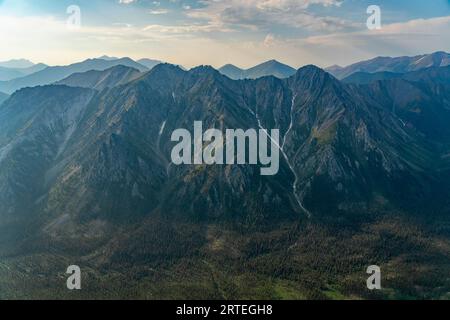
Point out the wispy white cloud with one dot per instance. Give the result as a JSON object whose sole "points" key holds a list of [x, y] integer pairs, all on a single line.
{"points": [[265, 14], [25, 37], [412, 37], [159, 11]]}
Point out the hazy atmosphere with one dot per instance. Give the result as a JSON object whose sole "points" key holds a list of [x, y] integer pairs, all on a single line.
{"points": [[216, 32], [225, 150]]}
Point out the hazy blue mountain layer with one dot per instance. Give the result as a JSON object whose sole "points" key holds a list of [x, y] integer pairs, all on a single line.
{"points": [[53, 74], [269, 68]]}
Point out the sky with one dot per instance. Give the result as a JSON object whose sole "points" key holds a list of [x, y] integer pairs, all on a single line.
{"points": [[217, 32]]}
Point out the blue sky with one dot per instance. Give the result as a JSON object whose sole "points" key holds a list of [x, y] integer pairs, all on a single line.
{"points": [[243, 32]]}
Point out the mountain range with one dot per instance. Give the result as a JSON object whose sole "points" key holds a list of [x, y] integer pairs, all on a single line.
{"points": [[435, 74], [395, 65], [269, 68], [53, 74], [17, 64], [8, 73], [26, 74], [100, 80], [149, 63], [86, 177]]}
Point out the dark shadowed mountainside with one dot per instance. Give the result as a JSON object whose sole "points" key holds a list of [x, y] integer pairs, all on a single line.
{"points": [[86, 176], [434, 74]]}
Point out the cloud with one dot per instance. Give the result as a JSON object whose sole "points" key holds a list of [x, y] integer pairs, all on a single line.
{"points": [[266, 14], [25, 37], [159, 11], [181, 30], [126, 1], [269, 40], [412, 37]]}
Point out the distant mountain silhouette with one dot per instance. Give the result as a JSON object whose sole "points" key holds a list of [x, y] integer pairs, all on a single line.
{"points": [[100, 80], [7, 73], [108, 58], [149, 63], [366, 78], [434, 74], [269, 68], [394, 65], [17, 64], [53, 74], [233, 72]]}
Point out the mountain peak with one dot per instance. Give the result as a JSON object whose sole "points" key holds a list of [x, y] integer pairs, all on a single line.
{"points": [[105, 57], [402, 64], [164, 71], [272, 61], [166, 66], [440, 53], [312, 74], [100, 80], [268, 68], [56, 73], [310, 68], [17, 64], [334, 67], [204, 68], [230, 66], [232, 71], [149, 63]]}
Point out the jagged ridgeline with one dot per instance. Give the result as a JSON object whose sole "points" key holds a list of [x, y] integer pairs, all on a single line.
{"points": [[85, 161], [89, 154]]}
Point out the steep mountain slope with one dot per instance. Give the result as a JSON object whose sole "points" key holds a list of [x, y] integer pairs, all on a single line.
{"points": [[395, 65], [32, 69], [100, 80], [149, 63], [420, 98], [344, 146], [3, 97], [232, 72], [36, 124], [340, 147], [420, 105], [131, 138], [269, 68], [54, 74], [86, 175], [366, 78], [435, 74]]}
